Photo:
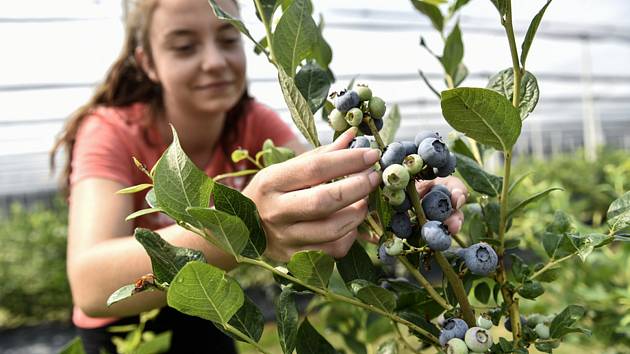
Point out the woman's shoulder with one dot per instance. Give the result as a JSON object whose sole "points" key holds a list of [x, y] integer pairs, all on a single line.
{"points": [[133, 115]]}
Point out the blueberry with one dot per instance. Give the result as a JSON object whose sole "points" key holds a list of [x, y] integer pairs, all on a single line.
{"points": [[346, 100], [395, 197], [394, 153], [396, 176], [410, 147], [365, 129], [484, 321], [478, 339], [401, 225], [436, 235], [508, 323], [360, 142], [449, 168], [427, 173], [437, 206], [456, 346], [534, 319], [394, 246], [337, 120], [404, 206], [441, 188], [376, 107], [481, 259], [354, 117], [453, 328], [434, 152], [384, 257], [542, 330], [413, 163], [364, 92], [425, 134]]}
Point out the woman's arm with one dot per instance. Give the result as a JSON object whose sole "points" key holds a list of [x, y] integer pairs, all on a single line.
{"points": [[103, 256]]}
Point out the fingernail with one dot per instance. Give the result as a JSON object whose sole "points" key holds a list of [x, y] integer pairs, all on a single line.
{"points": [[352, 131], [375, 178], [371, 156], [460, 201], [457, 226]]}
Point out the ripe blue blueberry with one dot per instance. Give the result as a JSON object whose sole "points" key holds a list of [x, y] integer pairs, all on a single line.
{"points": [[364, 92], [478, 339], [437, 206], [404, 206], [401, 225], [360, 142], [365, 128], [410, 147], [384, 257], [394, 153], [395, 197], [413, 163], [423, 134], [456, 346], [449, 168], [337, 120], [436, 235], [376, 107], [396, 176], [434, 152], [441, 188], [453, 328], [481, 259], [508, 323], [346, 100]]}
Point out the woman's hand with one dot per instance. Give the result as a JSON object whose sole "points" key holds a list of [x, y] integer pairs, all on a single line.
{"points": [[459, 193], [299, 212]]}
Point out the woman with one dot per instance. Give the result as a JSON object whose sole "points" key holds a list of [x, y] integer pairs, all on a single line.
{"points": [[182, 66]]}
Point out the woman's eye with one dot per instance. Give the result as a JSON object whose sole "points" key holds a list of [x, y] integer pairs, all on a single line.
{"points": [[185, 48]]}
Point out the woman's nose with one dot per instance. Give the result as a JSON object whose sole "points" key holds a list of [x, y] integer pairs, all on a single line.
{"points": [[213, 58]]}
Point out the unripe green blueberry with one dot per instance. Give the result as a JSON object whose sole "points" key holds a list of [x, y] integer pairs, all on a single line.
{"points": [[478, 339], [396, 176], [542, 330], [413, 163], [484, 322], [354, 117], [337, 120], [534, 319], [377, 107], [456, 346], [394, 196], [394, 246], [365, 93]]}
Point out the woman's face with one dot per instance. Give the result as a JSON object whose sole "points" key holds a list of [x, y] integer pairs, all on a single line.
{"points": [[198, 59]]}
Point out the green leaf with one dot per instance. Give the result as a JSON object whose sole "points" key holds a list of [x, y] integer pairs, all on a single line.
{"points": [[388, 347], [618, 215], [126, 292], [531, 199], [376, 327], [205, 291], [562, 324], [166, 259], [453, 52], [235, 203], [356, 264], [391, 124], [460, 146], [531, 290], [460, 74], [75, 346], [312, 267], [417, 318], [383, 209], [547, 347], [313, 84], [456, 6], [531, 32], [275, 154], [322, 53], [151, 199], [141, 212], [482, 292], [134, 189], [503, 83], [501, 6], [518, 181], [478, 179], [179, 184], [374, 295], [482, 114], [300, 111], [160, 343], [294, 36], [519, 268], [223, 230], [249, 320], [268, 9], [432, 12], [287, 320], [239, 155], [309, 341], [222, 15], [491, 216]]}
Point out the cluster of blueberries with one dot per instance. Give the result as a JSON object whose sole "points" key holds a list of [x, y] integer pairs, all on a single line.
{"points": [[355, 108]]}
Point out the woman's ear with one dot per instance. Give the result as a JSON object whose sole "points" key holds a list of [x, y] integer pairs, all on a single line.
{"points": [[145, 64]]}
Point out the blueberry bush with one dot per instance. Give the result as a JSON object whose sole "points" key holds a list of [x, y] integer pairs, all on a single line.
{"points": [[478, 291]]}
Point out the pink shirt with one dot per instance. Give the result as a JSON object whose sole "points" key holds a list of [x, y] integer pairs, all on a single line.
{"points": [[109, 137]]}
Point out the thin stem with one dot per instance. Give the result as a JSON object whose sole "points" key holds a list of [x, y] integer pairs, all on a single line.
{"points": [[428, 83], [256, 163], [549, 265], [459, 241], [374, 131], [267, 26], [333, 296], [228, 327], [516, 96], [375, 226], [235, 174], [504, 200], [449, 81], [425, 284]]}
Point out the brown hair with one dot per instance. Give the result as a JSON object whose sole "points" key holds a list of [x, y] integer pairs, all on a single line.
{"points": [[126, 83]]}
